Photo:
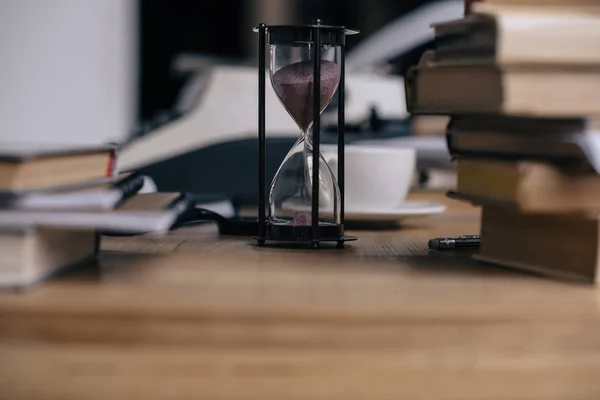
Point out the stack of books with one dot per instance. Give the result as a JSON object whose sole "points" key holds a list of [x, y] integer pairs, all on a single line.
{"points": [[54, 202], [521, 83]]}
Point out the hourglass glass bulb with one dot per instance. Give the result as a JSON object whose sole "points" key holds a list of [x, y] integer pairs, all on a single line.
{"points": [[294, 87]]}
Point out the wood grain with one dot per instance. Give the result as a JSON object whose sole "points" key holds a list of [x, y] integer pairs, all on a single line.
{"points": [[195, 316]]}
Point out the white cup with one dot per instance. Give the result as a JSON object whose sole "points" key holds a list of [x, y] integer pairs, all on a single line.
{"points": [[376, 178]]}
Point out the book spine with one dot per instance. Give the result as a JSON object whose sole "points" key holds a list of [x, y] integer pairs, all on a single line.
{"points": [[561, 161], [110, 167], [129, 186], [449, 141], [181, 207]]}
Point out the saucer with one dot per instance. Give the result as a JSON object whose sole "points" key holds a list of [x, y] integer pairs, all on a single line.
{"points": [[403, 211], [408, 209]]}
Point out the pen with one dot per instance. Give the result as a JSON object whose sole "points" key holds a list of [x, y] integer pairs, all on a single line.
{"points": [[462, 241]]}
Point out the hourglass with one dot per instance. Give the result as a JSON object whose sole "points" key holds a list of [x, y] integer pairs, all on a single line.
{"points": [[306, 68]]}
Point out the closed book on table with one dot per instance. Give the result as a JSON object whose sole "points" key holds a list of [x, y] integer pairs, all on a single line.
{"points": [[30, 255], [143, 213], [528, 90], [28, 166], [561, 245], [519, 36], [573, 142], [473, 6], [527, 186], [93, 196]]}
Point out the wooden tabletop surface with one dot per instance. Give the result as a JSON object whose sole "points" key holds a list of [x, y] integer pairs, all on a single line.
{"points": [[195, 316]]}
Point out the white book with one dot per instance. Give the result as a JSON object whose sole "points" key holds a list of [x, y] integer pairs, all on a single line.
{"points": [[144, 213], [100, 196]]}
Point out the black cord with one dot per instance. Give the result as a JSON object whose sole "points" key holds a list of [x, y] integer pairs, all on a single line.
{"points": [[192, 217], [198, 216], [237, 226]]}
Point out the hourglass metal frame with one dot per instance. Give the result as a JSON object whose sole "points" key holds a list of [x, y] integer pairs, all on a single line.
{"points": [[315, 233]]}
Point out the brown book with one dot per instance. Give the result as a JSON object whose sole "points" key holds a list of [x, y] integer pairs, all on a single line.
{"points": [[473, 6], [30, 255], [571, 143], [498, 37], [561, 245], [527, 186], [550, 91], [26, 166]]}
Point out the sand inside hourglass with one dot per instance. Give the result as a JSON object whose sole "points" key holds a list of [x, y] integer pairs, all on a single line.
{"points": [[294, 87]]}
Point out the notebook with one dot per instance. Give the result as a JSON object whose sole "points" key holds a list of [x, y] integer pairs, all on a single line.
{"points": [[143, 213], [95, 196]]}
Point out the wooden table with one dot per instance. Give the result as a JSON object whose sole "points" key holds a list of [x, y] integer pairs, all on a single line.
{"points": [[194, 316]]}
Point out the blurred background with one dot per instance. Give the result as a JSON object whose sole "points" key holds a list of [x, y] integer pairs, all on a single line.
{"points": [[393, 36], [224, 29], [174, 82]]}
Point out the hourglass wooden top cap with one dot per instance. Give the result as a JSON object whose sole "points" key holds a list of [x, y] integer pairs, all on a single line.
{"points": [[293, 35]]}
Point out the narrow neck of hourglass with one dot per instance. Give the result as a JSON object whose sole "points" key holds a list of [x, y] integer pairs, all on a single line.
{"points": [[307, 137]]}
